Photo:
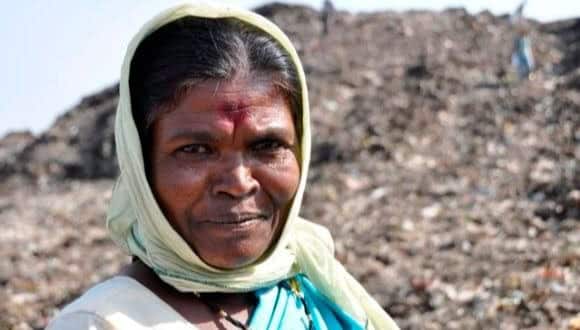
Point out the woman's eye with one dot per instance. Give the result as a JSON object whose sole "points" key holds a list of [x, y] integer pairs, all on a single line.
{"points": [[268, 146], [195, 149]]}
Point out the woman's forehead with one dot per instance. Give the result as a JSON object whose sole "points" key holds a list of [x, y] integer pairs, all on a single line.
{"points": [[238, 95], [230, 103], [249, 86]]}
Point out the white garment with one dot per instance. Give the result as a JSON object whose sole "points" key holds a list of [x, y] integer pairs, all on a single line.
{"points": [[119, 303]]}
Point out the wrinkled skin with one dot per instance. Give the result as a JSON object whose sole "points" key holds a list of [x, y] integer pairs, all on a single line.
{"points": [[223, 166]]}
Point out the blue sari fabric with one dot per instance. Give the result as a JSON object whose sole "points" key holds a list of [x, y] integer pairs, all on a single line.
{"points": [[279, 307]]}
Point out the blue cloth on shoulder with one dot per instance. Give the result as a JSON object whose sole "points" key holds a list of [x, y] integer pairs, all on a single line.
{"points": [[280, 308]]}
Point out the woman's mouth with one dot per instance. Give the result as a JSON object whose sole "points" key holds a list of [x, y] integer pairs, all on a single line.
{"points": [[236, 218]]}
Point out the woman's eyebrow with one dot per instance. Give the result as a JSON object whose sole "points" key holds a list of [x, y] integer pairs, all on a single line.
{"points": [[195, 135], [280, 132]]}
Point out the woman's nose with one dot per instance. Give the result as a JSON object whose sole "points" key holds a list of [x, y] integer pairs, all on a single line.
{"points": [[234, 179]]}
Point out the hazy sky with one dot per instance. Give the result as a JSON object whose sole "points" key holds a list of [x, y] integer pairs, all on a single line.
{"points": [[54, 52]]}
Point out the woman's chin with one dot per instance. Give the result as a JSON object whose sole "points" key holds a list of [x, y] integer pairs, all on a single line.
{"points": [[231, 246], [232, 262], [237, 254]]}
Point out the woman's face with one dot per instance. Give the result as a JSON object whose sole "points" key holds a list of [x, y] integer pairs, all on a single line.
{"points": [[224, 169]]}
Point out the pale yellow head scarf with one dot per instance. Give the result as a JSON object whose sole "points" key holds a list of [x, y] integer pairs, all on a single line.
{"points": [[138, 225]]}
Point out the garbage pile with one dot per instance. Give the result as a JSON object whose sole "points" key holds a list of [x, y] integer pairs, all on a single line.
{"points": [[452, 188]]}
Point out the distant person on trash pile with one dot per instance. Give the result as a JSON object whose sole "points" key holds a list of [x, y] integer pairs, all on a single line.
{"points": [[326, 16], [213, 142], [518, 14], [522, 55]]}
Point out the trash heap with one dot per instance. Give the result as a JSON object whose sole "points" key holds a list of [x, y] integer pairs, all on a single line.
{"points": [[452, 188]]}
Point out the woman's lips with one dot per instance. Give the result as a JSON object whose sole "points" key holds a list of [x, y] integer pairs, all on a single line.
{"points": [[236, 218]]}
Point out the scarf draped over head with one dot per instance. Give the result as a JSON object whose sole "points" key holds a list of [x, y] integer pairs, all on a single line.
{"points": [[138, 225]]}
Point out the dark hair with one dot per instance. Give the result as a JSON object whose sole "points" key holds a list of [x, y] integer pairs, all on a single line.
{"points": [[191, 50]]}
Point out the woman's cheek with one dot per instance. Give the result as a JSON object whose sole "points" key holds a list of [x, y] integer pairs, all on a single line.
{"points": [[281, 179], [176, 183], [168, 175]]}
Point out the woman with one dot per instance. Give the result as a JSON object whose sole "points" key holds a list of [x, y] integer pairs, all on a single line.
{"points": [[213, 143]]}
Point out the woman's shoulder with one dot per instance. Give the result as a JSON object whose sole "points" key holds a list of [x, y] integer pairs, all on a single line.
{"points": [[106, 295], [80, 320], [89, 310], [120, 302]]}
